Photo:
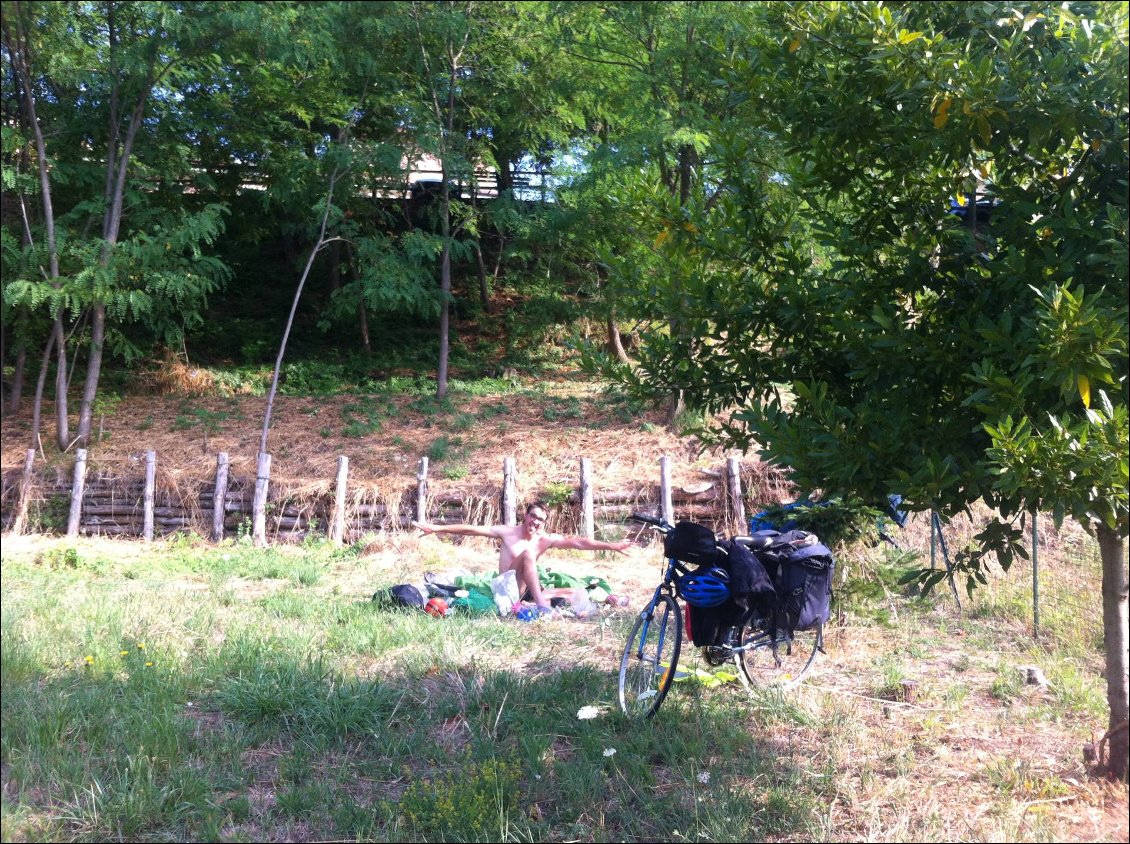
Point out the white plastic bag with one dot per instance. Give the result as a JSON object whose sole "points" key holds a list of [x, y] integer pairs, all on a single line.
{"points": [[582, 606], [505, 589]]}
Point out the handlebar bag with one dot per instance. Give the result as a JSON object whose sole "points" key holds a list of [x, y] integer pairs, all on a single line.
{"points": [[693, 543]]}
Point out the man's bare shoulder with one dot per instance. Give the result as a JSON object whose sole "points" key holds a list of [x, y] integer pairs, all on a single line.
{"points": [[506, 532], [554, 540]]}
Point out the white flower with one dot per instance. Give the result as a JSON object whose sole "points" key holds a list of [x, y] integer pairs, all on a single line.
{"points": [[704, 777], [610, 751], [587, 713]]}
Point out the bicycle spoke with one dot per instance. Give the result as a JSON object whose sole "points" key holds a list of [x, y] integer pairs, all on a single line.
{"points": [[650, 658]]}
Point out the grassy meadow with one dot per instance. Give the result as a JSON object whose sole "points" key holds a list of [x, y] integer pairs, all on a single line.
{"points": [[187, 691]]}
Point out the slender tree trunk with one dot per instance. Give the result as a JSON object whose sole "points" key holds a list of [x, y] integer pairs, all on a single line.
{"points": [[37, 404], [17, 42], [15, 397], [1116, 638], [363, 325], [118, 154], [614, 343], [93, 371], [445, 224], [290, 318], [62, 424], [484, 289], [445, 308]]}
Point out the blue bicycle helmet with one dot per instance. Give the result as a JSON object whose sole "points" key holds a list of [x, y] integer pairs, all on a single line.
{"points": [[705, 589]]}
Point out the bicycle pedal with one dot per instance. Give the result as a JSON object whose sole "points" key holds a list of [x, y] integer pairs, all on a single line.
{"points": [[715, 655]]}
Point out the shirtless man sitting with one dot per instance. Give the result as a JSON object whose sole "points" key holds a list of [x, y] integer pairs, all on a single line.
{"points": [[524, 543]]}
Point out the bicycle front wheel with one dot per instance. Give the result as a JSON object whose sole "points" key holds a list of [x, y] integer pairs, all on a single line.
{"points": [[650, 658], [777, 658]]}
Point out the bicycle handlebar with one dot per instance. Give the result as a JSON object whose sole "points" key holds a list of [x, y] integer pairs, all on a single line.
{"points": [[651, 520]]}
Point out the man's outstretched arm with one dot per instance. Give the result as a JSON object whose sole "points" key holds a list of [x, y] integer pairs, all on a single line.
{"points": [[462, 530], [583, 543]]}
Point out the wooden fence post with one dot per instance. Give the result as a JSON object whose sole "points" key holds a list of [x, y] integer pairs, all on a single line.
{"points": [[77, 490], [422, 491], [337, 528], [587, 525], [220, 498], [667, 508], [20, 521], [150, 495], [259, 506], [509, 493], [736, 508]]}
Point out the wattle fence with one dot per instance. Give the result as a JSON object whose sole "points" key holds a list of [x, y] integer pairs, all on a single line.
{"points": [[105, 503]]}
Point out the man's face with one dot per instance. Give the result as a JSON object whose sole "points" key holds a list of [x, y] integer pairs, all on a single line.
{"points": [[535, 520]]}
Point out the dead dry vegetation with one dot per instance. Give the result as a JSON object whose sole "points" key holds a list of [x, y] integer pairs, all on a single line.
{"points": [[545, 426]]}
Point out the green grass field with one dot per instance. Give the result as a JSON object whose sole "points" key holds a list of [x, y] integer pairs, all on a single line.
{"points": [[184, 691]]}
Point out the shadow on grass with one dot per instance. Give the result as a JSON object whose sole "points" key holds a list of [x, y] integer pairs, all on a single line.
{"points": [[252, 743]]}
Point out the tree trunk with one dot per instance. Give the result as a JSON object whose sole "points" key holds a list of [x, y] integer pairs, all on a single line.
{"points": [[484, 288], [445, 310], [363, 325], [62, 424], [1112, 547], [93, 371], [37, 404], [675, 407], [293, 309], [17, 390], [354, 273], [21, 66], [615, 344]]}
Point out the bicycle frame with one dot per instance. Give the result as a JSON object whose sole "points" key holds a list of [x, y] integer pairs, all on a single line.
{"points": [[643, 691]]}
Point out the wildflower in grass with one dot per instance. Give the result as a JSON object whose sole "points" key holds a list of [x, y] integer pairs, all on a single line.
{"points": [[88, 659], [149, 664], [704, 777], [610, 751], [141, 646], [587, 713], [123, 653]]}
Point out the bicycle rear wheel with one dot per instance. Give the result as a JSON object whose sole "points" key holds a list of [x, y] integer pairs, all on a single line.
{"points": [[650, 658], [776, 658]]}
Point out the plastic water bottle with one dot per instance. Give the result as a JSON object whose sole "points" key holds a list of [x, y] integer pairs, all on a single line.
{"points": [[582, 606], [504, 605]]}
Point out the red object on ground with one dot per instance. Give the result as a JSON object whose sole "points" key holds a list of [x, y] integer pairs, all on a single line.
{"points": [[436, 607]]}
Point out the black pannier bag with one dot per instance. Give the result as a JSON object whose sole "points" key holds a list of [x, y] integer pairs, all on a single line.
{"points": [[801, 568], [751, 593], [692, 543]]}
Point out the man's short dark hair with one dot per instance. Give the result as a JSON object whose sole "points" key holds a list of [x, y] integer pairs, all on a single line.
{"points": [[537, 505]]}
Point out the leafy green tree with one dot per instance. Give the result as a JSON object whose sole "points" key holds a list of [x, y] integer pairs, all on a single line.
{"points": [[107, 93], [930, 297], [656, 119]]}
